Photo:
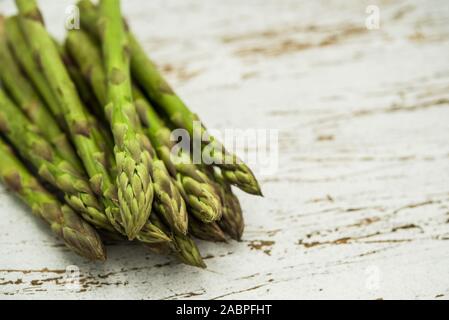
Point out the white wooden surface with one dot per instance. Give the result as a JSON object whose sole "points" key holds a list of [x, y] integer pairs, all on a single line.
{"points": [[359, 207]]}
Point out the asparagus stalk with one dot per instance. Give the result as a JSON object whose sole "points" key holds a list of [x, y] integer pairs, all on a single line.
{"points": [[50, 166], [101, 133], [133, 159], [182, 245], [86, 54], [168, 200], [206, 231], [76, 119], [88, 98], [151, 234], [232, 220], [187, 251], [77, 234], [26, 98], [155, 86], [86, 94]]}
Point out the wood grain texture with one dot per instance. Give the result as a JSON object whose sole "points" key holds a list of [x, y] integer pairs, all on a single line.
{"points": [[359, 207]]}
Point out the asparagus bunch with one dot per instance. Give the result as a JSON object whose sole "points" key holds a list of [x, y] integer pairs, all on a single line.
{"points": [[58, 172], [200, 196], [134, 183], [93, 119], [76, 119]]}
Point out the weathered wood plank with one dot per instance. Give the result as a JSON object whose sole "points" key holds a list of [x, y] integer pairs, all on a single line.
{"points": [[359, 207]]}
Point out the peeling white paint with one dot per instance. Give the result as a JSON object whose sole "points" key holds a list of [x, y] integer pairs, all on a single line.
{"points": [[360, 205]]}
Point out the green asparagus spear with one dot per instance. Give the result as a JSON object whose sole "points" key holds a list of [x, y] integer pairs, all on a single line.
{"points": [[168, 200], [101, 132], [206, 231], [76, 119], [182, 245], [26, 98], [86, 54], [50, 166], [88, 98], [87, 95], [187, 251], [151, 234], [155, 86], [232, 220], [133, 159], [77, 234]]}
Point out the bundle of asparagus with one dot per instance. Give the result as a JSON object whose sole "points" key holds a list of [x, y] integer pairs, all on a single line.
{"points": [[92, 118]]}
